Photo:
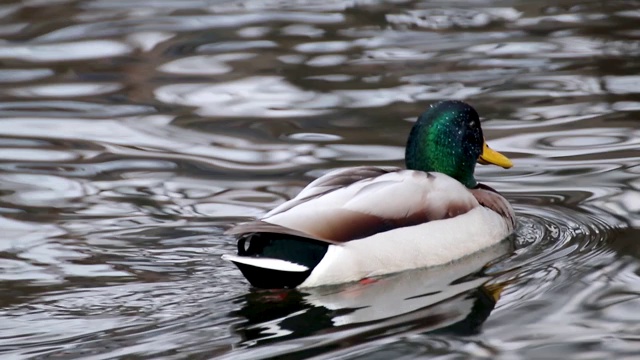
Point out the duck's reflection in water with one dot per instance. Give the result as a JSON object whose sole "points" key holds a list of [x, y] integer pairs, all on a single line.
{"points": [[456, 298]]}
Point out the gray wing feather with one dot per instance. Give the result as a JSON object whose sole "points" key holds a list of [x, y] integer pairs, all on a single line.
{"points": [[330, 182]]}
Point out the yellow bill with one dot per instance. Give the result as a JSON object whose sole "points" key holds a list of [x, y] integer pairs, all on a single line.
{"points": [[490, 156]]}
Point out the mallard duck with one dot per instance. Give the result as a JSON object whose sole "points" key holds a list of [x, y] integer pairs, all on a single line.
{"points": [[363, 222]]}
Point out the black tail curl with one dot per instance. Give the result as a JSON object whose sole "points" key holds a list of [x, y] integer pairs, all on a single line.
{"points": [[295, 249]]}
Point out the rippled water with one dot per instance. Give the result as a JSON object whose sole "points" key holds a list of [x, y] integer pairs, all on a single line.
{"points": [[133, 133]]}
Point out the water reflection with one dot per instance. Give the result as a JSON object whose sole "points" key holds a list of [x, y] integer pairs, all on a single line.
{"points": [[456, 298], [134, 133]]}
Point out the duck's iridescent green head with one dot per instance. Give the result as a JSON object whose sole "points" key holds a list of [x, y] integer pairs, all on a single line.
{"points": [[447, 138]]}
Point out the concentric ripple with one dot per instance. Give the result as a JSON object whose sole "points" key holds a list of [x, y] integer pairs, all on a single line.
{"points": [[554, 242], [547, 233]]}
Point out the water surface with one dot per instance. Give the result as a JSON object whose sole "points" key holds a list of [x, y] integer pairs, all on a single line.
{"points": [[133, 133]]}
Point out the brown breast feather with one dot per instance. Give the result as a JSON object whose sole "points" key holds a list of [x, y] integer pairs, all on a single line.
{"points": [[491, 199]]}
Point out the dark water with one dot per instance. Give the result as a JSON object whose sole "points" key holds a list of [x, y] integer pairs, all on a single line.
{"points": [[133, 133]]}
